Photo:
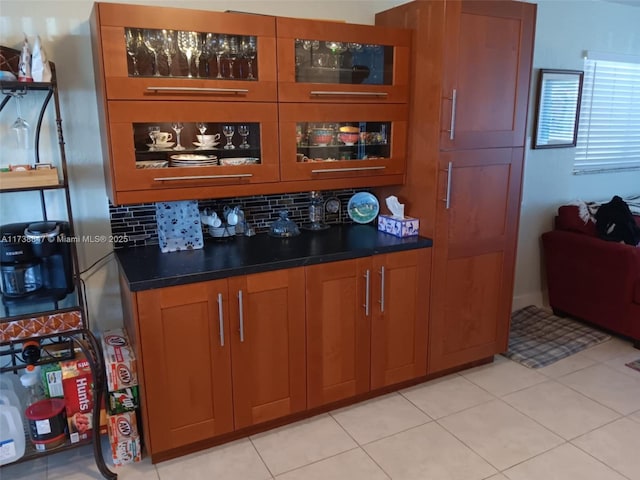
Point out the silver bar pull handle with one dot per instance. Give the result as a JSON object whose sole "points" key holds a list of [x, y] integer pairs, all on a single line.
{"points": [[220, 320], [241, 311], [347, 169], [321, 93], [202, 177], [452, 130], [366, 293], [447, 198], [382, 289], [208, 90]]}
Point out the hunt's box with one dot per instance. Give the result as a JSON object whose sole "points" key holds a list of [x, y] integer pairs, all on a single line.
{"points": [[400, 227], [119, 359], [77, 384]]}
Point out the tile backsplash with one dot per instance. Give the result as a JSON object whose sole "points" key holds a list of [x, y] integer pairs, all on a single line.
{"points": [[138, 222]]}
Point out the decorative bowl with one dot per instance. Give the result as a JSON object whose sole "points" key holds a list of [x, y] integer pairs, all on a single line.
{"points": [[321, 136], [348, 138]]}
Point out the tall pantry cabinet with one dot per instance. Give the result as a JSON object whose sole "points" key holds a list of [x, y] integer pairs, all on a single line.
{"points": [[471, 69]]}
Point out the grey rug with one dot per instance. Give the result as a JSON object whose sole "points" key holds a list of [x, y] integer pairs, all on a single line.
{"points": [[538, 338]]}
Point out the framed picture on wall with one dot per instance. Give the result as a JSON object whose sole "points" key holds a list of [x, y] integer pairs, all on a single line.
{"points": [[558, 108]]}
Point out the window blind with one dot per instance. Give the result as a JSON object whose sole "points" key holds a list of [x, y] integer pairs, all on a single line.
{"points": [[609, 125]]}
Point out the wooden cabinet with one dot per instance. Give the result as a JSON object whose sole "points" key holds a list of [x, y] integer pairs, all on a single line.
{"points": [[142, 170], [232, 55], [464, 166], [219, 356], [335, 62], [314, 146], [366, 324]]}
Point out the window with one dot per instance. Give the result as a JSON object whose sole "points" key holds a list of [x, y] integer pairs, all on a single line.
{"points": [[609, 126]]}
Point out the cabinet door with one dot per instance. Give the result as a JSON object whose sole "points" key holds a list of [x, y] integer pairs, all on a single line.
{"points": [[333, 62], [175, 164], [338, 330], [474, 256], [187, 369], [400, 304], [342, 141], [268, 351], [488, 52], [159, 53]]}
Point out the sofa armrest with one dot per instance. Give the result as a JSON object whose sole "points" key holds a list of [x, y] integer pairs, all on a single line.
{"points": [[591, 278]]}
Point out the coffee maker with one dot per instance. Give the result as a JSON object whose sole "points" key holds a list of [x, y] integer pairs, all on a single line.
{"points": [[35, 262]]}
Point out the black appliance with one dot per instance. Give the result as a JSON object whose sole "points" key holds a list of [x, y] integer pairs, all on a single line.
{"points": [[35, 262]]}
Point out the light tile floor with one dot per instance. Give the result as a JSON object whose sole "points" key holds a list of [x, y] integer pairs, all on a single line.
{"points": [[578, 419]]}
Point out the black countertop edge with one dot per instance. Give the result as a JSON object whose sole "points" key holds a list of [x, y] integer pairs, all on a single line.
{"points": [[146, 268]]}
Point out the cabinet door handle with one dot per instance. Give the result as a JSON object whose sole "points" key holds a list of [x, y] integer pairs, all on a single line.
{"points": [[346, 169], [202, 177], [241, 311], [321, 93], [220, 320], [452, 126], [382, 289], [447, 198], [208, 90], [366, 293]]}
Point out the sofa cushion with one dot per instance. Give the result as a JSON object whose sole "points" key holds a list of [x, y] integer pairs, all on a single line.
{"points": [[569, 219]]}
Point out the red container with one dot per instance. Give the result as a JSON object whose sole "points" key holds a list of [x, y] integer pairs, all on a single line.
{"points": [[47, 423]]}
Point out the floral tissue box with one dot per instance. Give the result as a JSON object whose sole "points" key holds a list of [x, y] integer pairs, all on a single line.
{"points": [[400, 227], [179, 226]]}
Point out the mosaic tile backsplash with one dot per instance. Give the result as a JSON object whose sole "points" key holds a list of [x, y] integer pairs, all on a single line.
{"points": [[138, 222]]}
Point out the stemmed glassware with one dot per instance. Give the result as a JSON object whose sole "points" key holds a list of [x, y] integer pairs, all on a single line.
{"points": [[208, 50], [177, 127], [232, 54], [189, 43], [228, 131], [202, 127], [133, 41], [154, 41], [169, 47], [221, 47], [249, 51], [243, 130], [153, 132], [336, 49], [21, 127]]}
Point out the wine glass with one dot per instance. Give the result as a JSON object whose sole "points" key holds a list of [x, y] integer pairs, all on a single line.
{"points": [[336, 49], [154, 41], [208, 50], [221, 47], [153, 132], [243, 130], [228, 131], [249, 51], [169, 47], [133, 42], [196, 53], [232, 54], [188, 43], [177, 127], [20, 126]]}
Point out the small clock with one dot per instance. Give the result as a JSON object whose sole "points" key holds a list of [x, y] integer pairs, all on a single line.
{"points": [[332, 205]]}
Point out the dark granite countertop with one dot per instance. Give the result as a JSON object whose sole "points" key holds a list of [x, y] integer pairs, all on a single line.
{"points": [[147, 267]]}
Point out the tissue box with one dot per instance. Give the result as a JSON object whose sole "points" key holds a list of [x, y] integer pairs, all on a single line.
{"points": [[400, 227]]}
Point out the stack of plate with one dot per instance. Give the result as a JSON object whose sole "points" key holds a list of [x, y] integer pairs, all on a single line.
{"points": [[193, 160]]}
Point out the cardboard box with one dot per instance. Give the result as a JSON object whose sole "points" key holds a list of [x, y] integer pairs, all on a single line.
{"points": [[125, 400], [119, 359], [124, 438], [52, 380], [77, 384], [400, 227]]}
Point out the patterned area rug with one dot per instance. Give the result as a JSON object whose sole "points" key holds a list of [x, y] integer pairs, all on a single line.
{"points": [[635, 365], [538, 338]]}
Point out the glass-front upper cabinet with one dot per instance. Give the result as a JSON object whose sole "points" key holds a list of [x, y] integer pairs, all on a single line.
{"points": [[333, 62], [149, 52], [337, 141], [185, 150]]}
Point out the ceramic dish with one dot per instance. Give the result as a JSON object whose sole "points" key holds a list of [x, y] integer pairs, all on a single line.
{"points": [[239, 161], [152, 164], [363, 207], [206, 145], [192, 157], [159, 146]]}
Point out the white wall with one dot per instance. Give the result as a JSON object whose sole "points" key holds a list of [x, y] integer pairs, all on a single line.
{"points": [[564, 30], [64, 29]]}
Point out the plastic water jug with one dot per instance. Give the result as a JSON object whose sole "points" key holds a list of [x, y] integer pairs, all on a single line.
{"points": [[10, 385], [12, 440]]}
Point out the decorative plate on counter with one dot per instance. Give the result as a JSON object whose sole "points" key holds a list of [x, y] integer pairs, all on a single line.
{"points": [[363, 207]]}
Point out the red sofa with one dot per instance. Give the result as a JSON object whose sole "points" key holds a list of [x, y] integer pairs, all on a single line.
{"points": [[592, 279]]}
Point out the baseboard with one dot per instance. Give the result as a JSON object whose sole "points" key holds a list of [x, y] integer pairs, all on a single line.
{"points": [[521, 301]]}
